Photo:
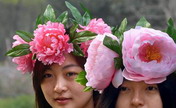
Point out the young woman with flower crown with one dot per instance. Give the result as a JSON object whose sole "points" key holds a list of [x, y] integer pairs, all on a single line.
{"points": [[56, 81], [55, 59], [136, 71]]}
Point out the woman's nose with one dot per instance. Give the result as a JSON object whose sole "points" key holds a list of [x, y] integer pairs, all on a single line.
{"points": [[60, 86], [137, 99]]}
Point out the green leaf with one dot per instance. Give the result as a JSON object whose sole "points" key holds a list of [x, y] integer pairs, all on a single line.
{"points": [[26, 36], [77, 50], [34, 56], [76, 14], [20, 50], [171, 30], [119, 31], [114, 30], [87, 89], [170, 22], [73, 21], [76, 53], [85, 34], [63, 17], [143, 23], [118, 62], [49, 13], [73, 31], [83, 39], [121, 28], [86, 19], [86, 10], [39, 20], [81, 78], [174, 35], [112, 44]]}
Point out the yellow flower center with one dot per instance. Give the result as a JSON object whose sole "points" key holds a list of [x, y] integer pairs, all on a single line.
{"points": [[153, 53]]}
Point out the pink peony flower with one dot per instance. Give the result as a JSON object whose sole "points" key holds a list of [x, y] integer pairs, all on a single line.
{"points": [[97, 26], [100, 63], [51, 43], [84, 46], [25, 63], [148, 55]]}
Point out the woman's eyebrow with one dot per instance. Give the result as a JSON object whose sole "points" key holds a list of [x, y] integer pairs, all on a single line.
{"points": [[70, 65], [47, 68]]}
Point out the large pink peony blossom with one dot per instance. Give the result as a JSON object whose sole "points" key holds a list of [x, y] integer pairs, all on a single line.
{"points": [[100, 63], [97, 26], [148, 55], [51, 43], [25, 63]]}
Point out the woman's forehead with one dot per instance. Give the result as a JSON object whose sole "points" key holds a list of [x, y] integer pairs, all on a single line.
{"points": [[135, 83]]}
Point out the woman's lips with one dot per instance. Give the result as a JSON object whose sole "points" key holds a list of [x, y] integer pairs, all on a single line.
{"points": [[62, 100]]}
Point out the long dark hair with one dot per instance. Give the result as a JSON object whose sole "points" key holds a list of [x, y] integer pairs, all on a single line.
{"points": [[108, 98], [167, 92], [38, 72]]}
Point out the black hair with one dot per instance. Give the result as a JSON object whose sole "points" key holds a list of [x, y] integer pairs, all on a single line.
{"points": [[167, 91], [38, 72], [108, 98]]}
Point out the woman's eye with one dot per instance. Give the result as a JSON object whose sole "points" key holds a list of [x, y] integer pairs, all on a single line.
{"points": [[123, 89], [151, 88], [69, 74], [47, 75]]}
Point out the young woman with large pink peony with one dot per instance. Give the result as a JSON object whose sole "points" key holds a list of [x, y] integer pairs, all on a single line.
{"points": [[134, 68]]}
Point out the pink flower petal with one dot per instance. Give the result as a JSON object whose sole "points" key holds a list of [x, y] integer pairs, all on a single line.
{"points": [[100, 63], [148, 55], [118, 78]]}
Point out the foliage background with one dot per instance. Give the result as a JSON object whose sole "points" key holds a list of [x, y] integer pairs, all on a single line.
{"points": [[16, 88]]}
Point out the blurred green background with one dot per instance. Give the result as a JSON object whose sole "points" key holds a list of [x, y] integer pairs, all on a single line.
{"points": [[15, 88]]}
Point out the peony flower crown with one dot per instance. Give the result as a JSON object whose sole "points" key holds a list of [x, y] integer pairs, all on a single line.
{"points": [[139, 54], [50, 41]]}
